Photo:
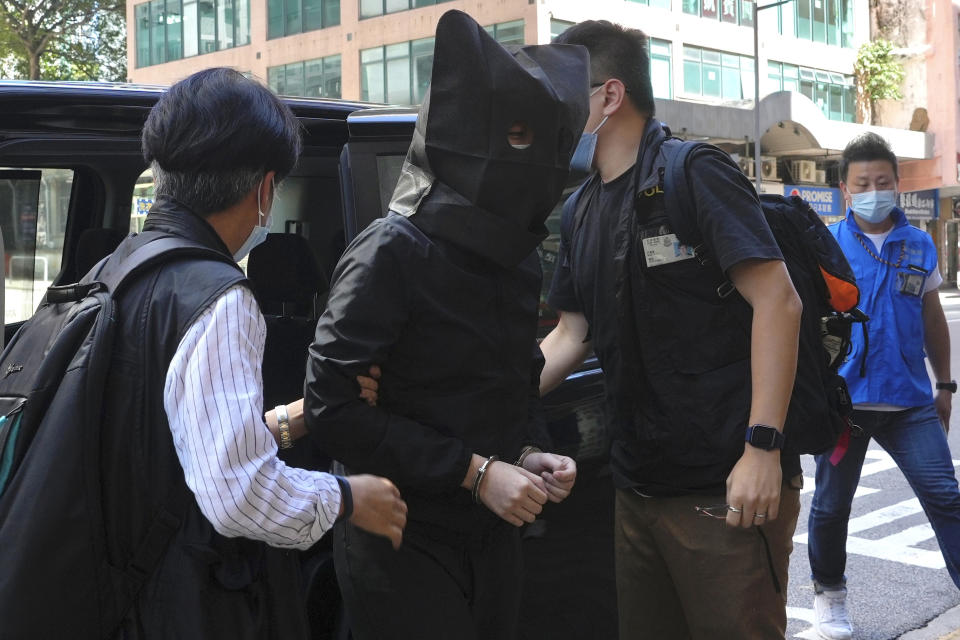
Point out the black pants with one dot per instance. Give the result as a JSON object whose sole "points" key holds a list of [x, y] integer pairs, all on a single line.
{"points": [[440, 585]]}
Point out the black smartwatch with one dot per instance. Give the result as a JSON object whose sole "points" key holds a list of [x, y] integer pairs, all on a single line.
{"points": [[764, 437], [948, 386]]}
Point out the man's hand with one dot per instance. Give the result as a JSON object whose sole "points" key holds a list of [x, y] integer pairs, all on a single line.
{"points": [[943, 403], [558, 473], [378, 507], [514, 494], [370, 386], [753, 488]]}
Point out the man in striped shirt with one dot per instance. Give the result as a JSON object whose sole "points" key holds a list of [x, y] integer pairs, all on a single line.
{"points": [[186, 378]]}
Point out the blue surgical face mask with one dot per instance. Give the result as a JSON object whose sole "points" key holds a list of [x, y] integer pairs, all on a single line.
{"points": [[581, 163], [258, 234], [873, 206]]}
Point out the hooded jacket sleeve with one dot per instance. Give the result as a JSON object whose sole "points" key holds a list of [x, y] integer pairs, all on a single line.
{"points": [[368, 307]]}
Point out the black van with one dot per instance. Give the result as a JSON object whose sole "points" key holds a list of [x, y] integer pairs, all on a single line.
{"points": [[73, 183]]}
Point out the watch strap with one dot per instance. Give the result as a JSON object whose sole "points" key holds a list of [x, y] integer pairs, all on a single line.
{"points": [[947, 386], [763, 436]]}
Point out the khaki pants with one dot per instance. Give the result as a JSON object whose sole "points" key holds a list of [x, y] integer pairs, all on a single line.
{"points": [[681, 575]]}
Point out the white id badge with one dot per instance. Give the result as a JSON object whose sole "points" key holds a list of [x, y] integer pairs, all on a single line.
{"points": [[660, 250]]}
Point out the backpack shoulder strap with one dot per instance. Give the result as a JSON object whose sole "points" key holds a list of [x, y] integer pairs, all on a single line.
{"points": [[153, 252], [678, 200], [568, 215]]}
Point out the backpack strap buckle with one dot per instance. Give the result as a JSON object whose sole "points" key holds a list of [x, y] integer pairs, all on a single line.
{"points": [[725, 289]]}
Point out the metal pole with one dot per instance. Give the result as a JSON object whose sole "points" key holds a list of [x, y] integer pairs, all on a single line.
{"points": [[757, 167]]}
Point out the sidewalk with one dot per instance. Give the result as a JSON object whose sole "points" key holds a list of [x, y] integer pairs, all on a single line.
{"points": [[946, 626]]}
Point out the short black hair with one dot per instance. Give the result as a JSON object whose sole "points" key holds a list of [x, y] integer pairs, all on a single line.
{"points": [[616, 52], [865, 148], [214, 134]]}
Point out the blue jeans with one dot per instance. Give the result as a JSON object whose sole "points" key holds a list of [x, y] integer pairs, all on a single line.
{"points": [[916, 442]]}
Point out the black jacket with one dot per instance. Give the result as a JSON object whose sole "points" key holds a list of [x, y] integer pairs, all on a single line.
{"points": [[206, 585], [455, 336]]}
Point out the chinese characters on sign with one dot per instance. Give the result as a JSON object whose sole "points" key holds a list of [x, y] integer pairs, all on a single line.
{"points": [[923, 205]]}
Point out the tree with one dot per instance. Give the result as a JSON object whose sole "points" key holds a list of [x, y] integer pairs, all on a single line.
{"points": [[66, 39], [878, 75]]}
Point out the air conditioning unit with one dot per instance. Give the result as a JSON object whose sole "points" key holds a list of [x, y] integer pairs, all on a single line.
{"points": [[803, 170], [768, 167], [821, 176], [746, 165]]}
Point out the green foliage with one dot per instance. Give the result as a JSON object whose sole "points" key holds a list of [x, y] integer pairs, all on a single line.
{"points": [[63, 39], [878, 73]]}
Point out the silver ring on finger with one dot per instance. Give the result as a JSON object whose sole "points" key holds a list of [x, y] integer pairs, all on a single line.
{"points": [[759, 515], [734, 509]]}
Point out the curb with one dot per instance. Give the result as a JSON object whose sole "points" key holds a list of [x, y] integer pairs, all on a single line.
{"points": [[946, 626]]}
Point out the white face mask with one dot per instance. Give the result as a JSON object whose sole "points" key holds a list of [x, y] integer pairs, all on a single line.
{"points": [[873, 206], [258, 234]]}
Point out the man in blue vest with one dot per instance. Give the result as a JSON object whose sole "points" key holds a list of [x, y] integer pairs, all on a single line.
{"points": [[896, 268]]}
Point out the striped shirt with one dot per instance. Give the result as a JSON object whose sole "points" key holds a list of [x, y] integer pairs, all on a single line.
{"points": [[213, 398]]}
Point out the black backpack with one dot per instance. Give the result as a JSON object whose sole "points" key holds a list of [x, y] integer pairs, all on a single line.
{"points": [[55, 580], [820, 405]]}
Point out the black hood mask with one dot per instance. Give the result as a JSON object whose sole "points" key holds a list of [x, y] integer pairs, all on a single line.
{"points": [[462, 180]]}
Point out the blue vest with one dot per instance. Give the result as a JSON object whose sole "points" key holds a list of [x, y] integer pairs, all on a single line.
{"points": [[894, 372]]}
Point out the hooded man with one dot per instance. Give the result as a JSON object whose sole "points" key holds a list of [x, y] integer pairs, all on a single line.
{"points": [[443, 293]]}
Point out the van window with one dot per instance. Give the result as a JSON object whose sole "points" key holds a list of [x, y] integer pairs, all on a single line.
{"points": [[33, 219]]}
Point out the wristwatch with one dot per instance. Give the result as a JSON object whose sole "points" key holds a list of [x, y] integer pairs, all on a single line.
{"points": [[949, 386], [764, 437]]}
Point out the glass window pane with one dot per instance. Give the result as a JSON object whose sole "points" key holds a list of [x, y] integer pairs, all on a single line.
{"points": [[224, 24], [331, 77], [846, 23], [833, 22], [836, 102], [774, 76], [730, 84], [292, 23], [190, 42], [275, 79], [709, 9], [788, 18], [728, 10], [294, 79], [142, 17], [807, 74], [730, 60], [711, 80], [746, 80], [790, 84], [806, 88], [331, 13], [371, 8], [823, 76], [790, 71], [392, 6], [422, 52], [659, 48], [208, 27], [509, 32], [746, 13], [660, 77], [274, 18], [312, 15], [691, 77], [819, 21], [710, 57], [691, 53], [849, 104], [692, 7], [558, 26], [398, 80], [371, 55], [174, 30], [660, 4], [158, 44], [803, 19], [313, 78], [241, 20]]}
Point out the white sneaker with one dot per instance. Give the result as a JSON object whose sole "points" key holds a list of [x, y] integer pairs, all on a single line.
{"points": [[831, 619]]}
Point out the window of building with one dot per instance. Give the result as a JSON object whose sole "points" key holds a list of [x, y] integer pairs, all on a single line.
{"points": [[559, 26], [827, 21], [661, 75], [507, 32], [374, 8], [714, 74], [288, 17], [312, 78], [661, 4], [732, 11], [168, 30], [834, 93], [396, 73]]}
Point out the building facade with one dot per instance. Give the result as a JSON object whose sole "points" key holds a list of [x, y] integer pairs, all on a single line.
{"points": [[702, 65]]}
